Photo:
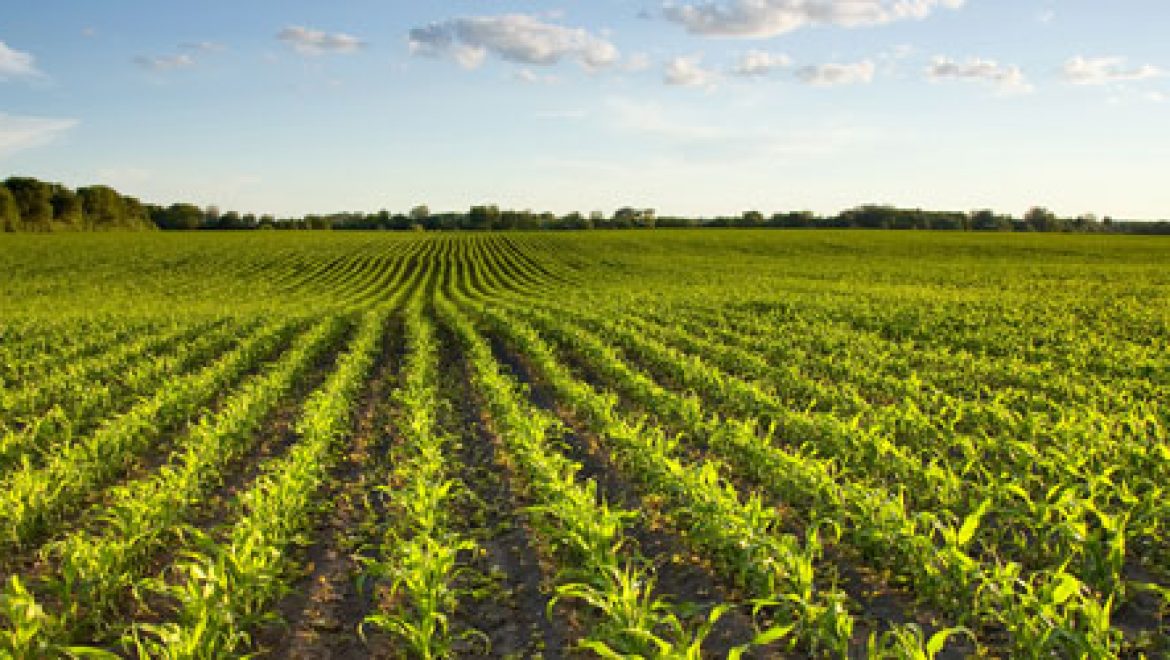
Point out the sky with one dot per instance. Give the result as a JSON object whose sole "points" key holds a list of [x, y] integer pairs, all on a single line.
{"points": [[690, 107]]}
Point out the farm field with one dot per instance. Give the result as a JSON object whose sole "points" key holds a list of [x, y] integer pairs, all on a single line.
{"points": [[661, 444]]}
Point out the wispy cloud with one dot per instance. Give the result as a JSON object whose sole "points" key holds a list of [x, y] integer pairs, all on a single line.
{"points": [[533, 78], [688, 72], [202, 46], [518, 38], [308, 41], [732, 140], [22, 132], [1004, 77], [768, 18], [652, 119], [637, 62], [16, 64], [834, 74], [165, 62], [1081, 70], [195, 50], [759, 63]]}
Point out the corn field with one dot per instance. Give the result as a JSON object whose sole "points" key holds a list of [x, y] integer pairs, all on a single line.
{"points": [[671, 444]]}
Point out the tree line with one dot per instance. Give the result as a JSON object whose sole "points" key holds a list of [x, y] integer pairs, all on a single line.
{"points": [[27, 204]]}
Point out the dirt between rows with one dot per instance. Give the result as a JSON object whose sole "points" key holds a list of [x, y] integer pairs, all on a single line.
{"points": [[321, 615], [508, 584], [681, 577], [878, 602]]}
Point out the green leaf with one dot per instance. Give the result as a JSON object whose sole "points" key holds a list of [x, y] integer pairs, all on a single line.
{"points": [[938, 641], [971, 523], [773, 634], [1069, 585]]}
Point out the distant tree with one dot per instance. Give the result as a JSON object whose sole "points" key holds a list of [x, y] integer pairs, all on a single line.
{"points": [[879, 217], [988, 220], [1039, 218], [946, 220], [510, 219], [628, 216], [102, 206], [574, 220], [184, 216], [793, 219], [318, 222], [211, 216], [483, 217], [420, 213], [67, 207], [1086, 222], [35, 201], [9, 211], [648, 219], [751, 219], [134, 214]]}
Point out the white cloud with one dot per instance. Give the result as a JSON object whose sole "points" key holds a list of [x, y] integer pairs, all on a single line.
{"points": [[768, 18], [202, 46], [707, 141], [515, 37], [533, 78], [165, 63], [833, 74], [758, 63], [1104, 70], [649, 118], [307, 41], [687, 72], [1006, 78], [16, 64], [637, 62], [17, 132]]}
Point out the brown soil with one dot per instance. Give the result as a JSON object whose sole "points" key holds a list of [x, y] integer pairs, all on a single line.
{"points": [[325, 609], [509, 584], [680, 576]]}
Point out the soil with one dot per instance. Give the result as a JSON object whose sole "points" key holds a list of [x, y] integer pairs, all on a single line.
{"points": [[680, 577], [324, 610], [509, 583]]}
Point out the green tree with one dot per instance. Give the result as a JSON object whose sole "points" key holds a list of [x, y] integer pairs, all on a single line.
{"points": [[751, 219], [35, 201], [988, 220], [483, 217], [183, 216], [628, 216], [9, 211], [1039, 218], [134, 214], [67, 207], [102, 206]]}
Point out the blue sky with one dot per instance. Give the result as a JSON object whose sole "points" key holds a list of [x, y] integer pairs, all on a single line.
{"points": [[689, 107]]}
